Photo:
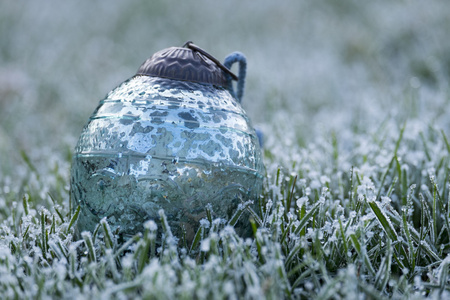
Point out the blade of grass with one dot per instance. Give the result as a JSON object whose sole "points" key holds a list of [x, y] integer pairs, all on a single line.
{"points": [[239, 211], [389, 230], [392, 187], [425, 146], [446, 141], [255, 217], [165, 224], [434, 209], [384, 271], [142, 255], [25, 205], [74, 218], [397, 144], [43, 233], [208, 209], [136, 238], [198, 236], [56, 250], [384, 221], [292, 182], [443, 274], [30, 165], [344, 239], [307, 217], [59, 214], [109, 238], [293, 254], [427, 218], [87, 237], [53, 227], [362, 253], [26, 232], [410, 244]]}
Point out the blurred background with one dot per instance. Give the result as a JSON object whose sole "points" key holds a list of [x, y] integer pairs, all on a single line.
{"points": [[314, 67]]}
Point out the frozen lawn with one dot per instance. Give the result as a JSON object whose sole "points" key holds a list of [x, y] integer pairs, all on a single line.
{"points": [[353, 100]]}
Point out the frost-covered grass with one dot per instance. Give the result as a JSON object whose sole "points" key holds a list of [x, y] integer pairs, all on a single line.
{"points": [[353, 101]]}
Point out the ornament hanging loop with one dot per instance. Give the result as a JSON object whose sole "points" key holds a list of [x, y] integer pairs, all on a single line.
{"points": [[229, 61]]}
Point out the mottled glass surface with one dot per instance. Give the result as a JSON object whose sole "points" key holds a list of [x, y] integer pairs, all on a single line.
{"points": [[163, 144]]}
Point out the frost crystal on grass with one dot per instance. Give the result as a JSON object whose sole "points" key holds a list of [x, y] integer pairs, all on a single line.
{"points": [[204, 223], [385, 200], [301, 202], [150, 225]]}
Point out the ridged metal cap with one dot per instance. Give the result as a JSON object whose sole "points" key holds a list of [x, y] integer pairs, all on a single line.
{"points": [[188, 63]]}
